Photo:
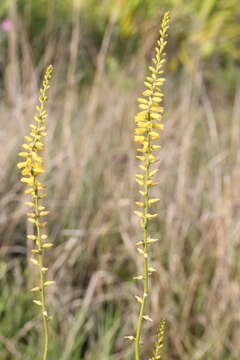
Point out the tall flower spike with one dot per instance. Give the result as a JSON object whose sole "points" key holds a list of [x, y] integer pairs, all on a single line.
{"points": [[31, 168], [157, 353], [148, 128]]}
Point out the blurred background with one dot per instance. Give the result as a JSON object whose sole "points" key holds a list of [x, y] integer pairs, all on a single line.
{"points": [[100, 51]]}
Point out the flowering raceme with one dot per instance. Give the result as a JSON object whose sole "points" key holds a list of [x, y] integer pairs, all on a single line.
{"points": [[31, 168], [147, 132]]}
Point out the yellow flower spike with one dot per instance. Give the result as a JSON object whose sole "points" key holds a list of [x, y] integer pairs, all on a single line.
{"points": [[32, 168], [157, 353], [148, 120]]}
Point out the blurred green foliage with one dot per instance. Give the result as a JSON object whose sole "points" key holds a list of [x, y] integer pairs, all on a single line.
{"points": [[202, 29], [19, 328], [3, 7]]}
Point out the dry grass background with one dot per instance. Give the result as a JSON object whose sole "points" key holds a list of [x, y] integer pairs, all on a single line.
{"points": [[90, 176]]}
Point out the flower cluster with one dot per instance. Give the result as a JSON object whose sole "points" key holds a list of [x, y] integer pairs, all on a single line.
{"points": [[157, 353], [148, 128], [31, 168]]}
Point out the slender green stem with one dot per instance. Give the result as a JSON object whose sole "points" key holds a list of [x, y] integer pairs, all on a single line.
{"points": [[145, 244], [42, 279], [41, 266]]}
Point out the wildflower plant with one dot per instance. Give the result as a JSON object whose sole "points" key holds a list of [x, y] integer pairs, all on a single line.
{"points": [[31, 168], [148, 128]]}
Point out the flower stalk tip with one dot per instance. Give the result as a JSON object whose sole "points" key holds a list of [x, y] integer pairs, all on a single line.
{"points": [[31, 168]]}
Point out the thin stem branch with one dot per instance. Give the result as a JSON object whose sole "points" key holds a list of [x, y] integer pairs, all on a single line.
{"points": [[145, 244]]}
